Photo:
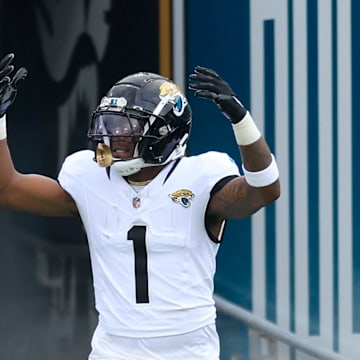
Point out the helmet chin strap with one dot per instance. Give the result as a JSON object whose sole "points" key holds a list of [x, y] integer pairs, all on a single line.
{"points": [[128, 167], [133, 166]]}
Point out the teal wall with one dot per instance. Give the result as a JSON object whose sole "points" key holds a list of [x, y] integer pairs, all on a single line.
{"points": [[224, 46], [295, 65]]}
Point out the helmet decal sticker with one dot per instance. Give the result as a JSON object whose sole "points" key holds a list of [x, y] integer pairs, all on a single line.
{"points": [[114, 103], [173, 94], [179, 106], [182, 197], [169, 89]]}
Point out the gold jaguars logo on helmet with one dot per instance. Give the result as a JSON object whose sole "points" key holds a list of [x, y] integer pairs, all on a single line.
{"points": [[182, 197], [169, 89], [173, 94]]}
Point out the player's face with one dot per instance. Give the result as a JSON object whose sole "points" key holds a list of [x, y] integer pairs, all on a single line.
{"points": [[125, 133], [122, 147]]}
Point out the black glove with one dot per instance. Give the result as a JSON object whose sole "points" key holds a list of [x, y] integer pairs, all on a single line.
{"points": [[209, 85], [8, 86]]}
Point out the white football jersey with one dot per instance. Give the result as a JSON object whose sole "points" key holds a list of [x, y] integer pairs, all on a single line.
{"points": [[152, 259]]}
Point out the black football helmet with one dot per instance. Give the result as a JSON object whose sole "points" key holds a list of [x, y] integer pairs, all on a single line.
{"points": [[150, 109]]}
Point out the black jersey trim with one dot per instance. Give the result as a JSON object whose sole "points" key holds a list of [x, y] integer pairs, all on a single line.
{"points": [[176, 163], [217, 187]]}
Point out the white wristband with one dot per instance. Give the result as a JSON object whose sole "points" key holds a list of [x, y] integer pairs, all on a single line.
{"points": [[263, 177], [3, 127], [246, 132]]}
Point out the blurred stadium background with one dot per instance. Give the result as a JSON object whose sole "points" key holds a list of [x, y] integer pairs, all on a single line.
{"points": [[294, 63]]}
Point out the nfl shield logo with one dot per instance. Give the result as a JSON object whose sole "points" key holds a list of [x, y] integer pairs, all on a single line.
{"points": [[136, 202]]}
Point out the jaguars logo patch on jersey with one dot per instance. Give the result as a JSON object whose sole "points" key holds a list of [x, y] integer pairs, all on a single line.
{"points": [[182, 197]]}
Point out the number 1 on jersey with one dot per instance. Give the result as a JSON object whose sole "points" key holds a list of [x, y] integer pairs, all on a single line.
{"points": [[137, 235]]}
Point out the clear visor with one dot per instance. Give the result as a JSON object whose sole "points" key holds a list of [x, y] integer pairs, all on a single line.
{"points": [[104, 124]]}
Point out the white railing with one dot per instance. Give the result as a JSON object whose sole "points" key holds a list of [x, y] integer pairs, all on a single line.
{"points": [[260, 329]]}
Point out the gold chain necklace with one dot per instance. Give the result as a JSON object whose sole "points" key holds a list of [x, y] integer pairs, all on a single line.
{"points": [[139, 183]]}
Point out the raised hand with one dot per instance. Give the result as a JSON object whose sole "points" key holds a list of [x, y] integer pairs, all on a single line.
{"points": [[8, 84], [209, 85]]}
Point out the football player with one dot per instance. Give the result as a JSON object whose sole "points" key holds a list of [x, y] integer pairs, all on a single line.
{"points": [[154, 216]]}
